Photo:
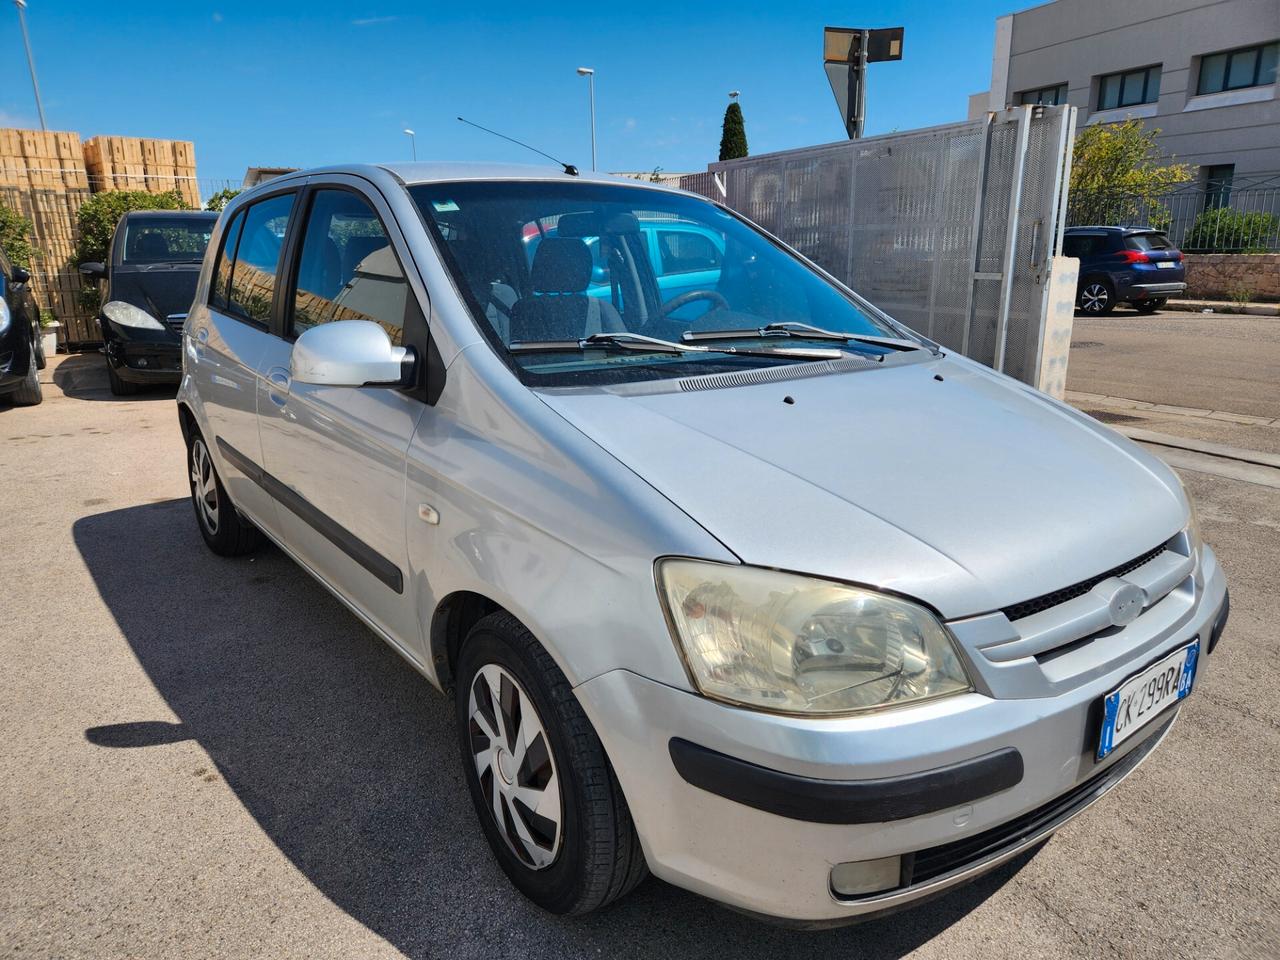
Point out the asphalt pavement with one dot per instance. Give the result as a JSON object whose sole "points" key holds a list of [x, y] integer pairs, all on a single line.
{"points": [[205, 757]]}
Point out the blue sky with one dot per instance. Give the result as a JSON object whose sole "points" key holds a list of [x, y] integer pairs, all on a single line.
{"points": [[305, 84]]}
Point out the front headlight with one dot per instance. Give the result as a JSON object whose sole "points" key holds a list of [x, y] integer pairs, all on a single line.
{"points": [[792, 644], [5, 317], [127, 315], [1193, 525]]}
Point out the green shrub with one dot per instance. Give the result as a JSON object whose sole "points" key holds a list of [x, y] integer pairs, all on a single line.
{"points": [[220, 199], [101, 212], [15, 237], [1226, 230]]}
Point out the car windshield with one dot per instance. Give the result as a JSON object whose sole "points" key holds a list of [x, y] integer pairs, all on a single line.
{"points": [[543, 262], [1148, 241], [167, 239]]}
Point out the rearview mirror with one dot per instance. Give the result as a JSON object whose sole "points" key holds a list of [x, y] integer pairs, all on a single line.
{"points": [[20, 275], [92, 268], [350, 353]]}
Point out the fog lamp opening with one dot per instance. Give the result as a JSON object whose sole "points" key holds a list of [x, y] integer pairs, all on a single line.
{"points": [[862, 877]]}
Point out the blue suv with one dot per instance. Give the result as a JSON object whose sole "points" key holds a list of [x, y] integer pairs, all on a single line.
{"points": [[1136, 265]]}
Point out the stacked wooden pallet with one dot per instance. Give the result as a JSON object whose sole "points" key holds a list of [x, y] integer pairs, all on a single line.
{"points": [[137, 163], [43, 178]]}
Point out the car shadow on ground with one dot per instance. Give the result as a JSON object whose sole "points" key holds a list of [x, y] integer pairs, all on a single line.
{"points": [[346, 758], [83, 376]]}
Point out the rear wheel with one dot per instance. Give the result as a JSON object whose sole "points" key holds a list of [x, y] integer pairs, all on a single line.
{"points": [[121, 388], [547, 798], [1097, 297], [226, 532], [29, 393], [1150, 306]]}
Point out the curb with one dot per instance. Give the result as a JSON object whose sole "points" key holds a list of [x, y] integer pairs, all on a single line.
{"points": [[1226, 306]]}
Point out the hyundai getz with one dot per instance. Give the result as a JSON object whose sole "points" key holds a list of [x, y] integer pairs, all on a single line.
{"points": [[747, 586]]}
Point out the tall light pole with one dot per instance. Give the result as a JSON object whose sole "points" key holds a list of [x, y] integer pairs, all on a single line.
{"points": [[413, 143], [590, 74], [31, 63]]}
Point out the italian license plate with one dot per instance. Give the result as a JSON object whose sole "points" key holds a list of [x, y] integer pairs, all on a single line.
{"points": [[1165, 265], [1144, 696]]}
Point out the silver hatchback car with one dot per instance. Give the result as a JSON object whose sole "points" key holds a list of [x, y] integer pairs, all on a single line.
{"points": [[732, 578]]}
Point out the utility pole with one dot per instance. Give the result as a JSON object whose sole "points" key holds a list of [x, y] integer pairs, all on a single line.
{"points": [[590, 74], [31, 63], [845, 55]]}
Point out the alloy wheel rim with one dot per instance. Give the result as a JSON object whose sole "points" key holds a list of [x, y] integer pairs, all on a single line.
{"points": [[513, 762], [204, 486], [1094, 297]]}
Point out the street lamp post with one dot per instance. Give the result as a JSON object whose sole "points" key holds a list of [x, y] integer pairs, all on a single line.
{"points": [[31, 63], [413, 143], [590, 74]]}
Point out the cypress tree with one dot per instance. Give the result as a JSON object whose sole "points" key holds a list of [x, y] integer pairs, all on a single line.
{"points": [[733, 136]]}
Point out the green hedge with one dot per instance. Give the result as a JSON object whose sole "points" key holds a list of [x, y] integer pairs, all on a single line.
{"points": [[1226, 230]]}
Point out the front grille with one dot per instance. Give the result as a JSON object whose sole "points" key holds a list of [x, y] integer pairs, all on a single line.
{"points": [[1039, 604], [936, 861]]}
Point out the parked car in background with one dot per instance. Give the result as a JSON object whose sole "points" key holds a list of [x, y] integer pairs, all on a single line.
{"points": [[21, 350], [756, 601], [150, 276], [1134, 265]]}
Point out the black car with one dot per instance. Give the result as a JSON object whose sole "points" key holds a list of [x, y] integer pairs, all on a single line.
{"points": [[1136, 265], [151, 271], [21, 352]]}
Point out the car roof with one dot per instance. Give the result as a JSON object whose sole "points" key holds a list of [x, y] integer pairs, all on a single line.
{"points": [[170, 214], [1127, 231]]}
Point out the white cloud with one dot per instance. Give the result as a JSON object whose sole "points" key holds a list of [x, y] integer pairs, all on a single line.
{"points": [[217, 17], [370, 21]]}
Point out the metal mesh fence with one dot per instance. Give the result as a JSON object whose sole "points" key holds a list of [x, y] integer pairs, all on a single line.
{"points": [[924, 223]]}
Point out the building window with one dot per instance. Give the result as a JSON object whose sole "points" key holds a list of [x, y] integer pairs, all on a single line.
{"points": [[1129, 89], [1217, 185], [1237, 69], [1046, 96]]}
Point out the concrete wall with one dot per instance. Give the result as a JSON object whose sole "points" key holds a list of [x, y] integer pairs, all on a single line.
{"points": [[1224, 276], [1076, 41]]}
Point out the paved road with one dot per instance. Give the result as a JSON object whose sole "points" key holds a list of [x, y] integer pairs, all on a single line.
{"points": [[204, 757], [1211, 361]]}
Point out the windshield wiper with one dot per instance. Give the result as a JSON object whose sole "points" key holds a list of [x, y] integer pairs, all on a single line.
{"points": [[793, 328], [640, 343]]}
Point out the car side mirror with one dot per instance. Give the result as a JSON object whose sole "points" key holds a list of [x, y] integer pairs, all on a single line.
{"points": [[20, 275], [93, 268], [350, 353]]}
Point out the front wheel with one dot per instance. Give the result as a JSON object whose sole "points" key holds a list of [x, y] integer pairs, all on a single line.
{"points": [[226, 532], [547, 798], [29, 392], [1097, 297], [119, 386]]}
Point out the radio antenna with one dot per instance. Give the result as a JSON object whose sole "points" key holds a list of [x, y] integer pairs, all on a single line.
{"points": [[569, 168]]}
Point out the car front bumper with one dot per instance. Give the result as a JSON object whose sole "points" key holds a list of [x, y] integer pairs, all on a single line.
{"points": [[955, 787], [145, 361]]}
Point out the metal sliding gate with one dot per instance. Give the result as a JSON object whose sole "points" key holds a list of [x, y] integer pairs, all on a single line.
{"points": [[952, 230]]}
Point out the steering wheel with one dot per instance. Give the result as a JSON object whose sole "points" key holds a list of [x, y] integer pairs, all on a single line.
{"points": [[717, 301]]}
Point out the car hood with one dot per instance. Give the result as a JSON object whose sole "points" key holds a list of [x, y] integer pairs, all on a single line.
{"points": [[160, 289], [936, 479]]}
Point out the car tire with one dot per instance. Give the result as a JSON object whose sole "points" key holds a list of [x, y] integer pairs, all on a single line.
{"points": [[1150, 306], [576, 850], [29, 393], [41, 360], [119, 387], [226, 532], [1097, 297]]}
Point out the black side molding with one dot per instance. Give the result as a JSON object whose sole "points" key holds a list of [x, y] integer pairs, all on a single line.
{"points": [[846, 801], [346, 541]]}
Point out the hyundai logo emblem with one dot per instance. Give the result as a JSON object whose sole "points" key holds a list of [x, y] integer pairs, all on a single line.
{"points": [[1126, 603]]}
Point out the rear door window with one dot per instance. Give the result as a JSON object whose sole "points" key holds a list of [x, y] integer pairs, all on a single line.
{"points": [[222, 268], [257, 261]]}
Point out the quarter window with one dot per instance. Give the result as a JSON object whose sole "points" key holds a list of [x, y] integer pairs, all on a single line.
{"points": [[222, 269], [348, 269], [1046, 96], [1237, 69], [1129, 89], [253, 273]]}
